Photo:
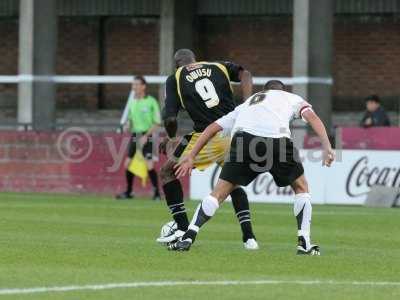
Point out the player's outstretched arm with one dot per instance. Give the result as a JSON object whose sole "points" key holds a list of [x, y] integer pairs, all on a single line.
{"points": [[319, 128], [246, 83], [185, 165]]}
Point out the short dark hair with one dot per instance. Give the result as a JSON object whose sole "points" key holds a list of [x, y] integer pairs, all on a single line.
{"points": [[141, 79], [274, 85], [184, 57], [374, 98]]}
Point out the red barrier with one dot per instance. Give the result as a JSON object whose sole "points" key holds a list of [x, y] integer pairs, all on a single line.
{"points": [[39, 162], [376, 138]]}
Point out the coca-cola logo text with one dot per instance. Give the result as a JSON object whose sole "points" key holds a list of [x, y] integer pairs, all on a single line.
{"points": [[362, 177], [263, 184]]}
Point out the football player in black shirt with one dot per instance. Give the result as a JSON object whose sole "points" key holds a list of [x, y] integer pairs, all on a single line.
{"points": [[204, 90]]}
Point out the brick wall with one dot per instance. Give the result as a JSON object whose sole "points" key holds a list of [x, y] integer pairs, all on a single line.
{"points": [[77, 54], [365, 58], [131, 48], [9, 46], [8, 63], [33, 162], [263, 45], [127, 49], [366, 61]]}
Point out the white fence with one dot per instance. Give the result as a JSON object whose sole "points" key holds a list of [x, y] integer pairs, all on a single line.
{"points": [[152, 79], [127, 79]]}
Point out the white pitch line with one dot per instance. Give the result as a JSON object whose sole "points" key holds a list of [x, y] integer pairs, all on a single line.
{"points": [[109, 286]]}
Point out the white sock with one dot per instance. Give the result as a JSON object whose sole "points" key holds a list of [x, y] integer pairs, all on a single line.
{"points": [[204, 211], [210, 205], [302, 210]]}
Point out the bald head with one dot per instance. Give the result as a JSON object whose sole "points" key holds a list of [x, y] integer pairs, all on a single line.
{"points": [[184, 57]]}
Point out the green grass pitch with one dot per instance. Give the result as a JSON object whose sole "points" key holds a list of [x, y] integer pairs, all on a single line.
{"points": [[57, 240]]}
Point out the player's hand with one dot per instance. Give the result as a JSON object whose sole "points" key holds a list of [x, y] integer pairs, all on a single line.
{"points": [[368, 122], [162, 147], [184, 166], [143, 139], [328, 157]]}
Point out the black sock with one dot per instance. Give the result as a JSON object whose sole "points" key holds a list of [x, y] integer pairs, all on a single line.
{"points": [[129, 181], [299, 218], [200, 218], [154, 179], [241, 205], [174, 198], [190, 234]]}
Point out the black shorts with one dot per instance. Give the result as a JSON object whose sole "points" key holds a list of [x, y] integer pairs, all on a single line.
{"points": [[147, 148], [252, 155]]}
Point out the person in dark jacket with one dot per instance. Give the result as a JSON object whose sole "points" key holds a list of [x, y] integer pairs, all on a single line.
{"points": [[375, 115]]}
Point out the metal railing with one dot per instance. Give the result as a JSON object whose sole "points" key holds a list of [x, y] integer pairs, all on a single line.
{"points": [[117, 79]]}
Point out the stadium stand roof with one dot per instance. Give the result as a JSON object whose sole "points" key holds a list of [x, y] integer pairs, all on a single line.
{"points": [[9, 8]]}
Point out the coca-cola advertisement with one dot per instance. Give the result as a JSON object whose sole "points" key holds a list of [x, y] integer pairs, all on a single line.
{"points": [[348, 181]]}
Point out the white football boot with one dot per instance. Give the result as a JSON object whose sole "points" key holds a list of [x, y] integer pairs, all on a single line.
{"points": [[251, 244], [173, 237]]}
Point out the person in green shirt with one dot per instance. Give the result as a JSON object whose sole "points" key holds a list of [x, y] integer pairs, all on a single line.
{"points": [[144, 119]]}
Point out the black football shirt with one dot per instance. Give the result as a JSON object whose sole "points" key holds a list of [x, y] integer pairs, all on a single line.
{"points": [[204, 90]]}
